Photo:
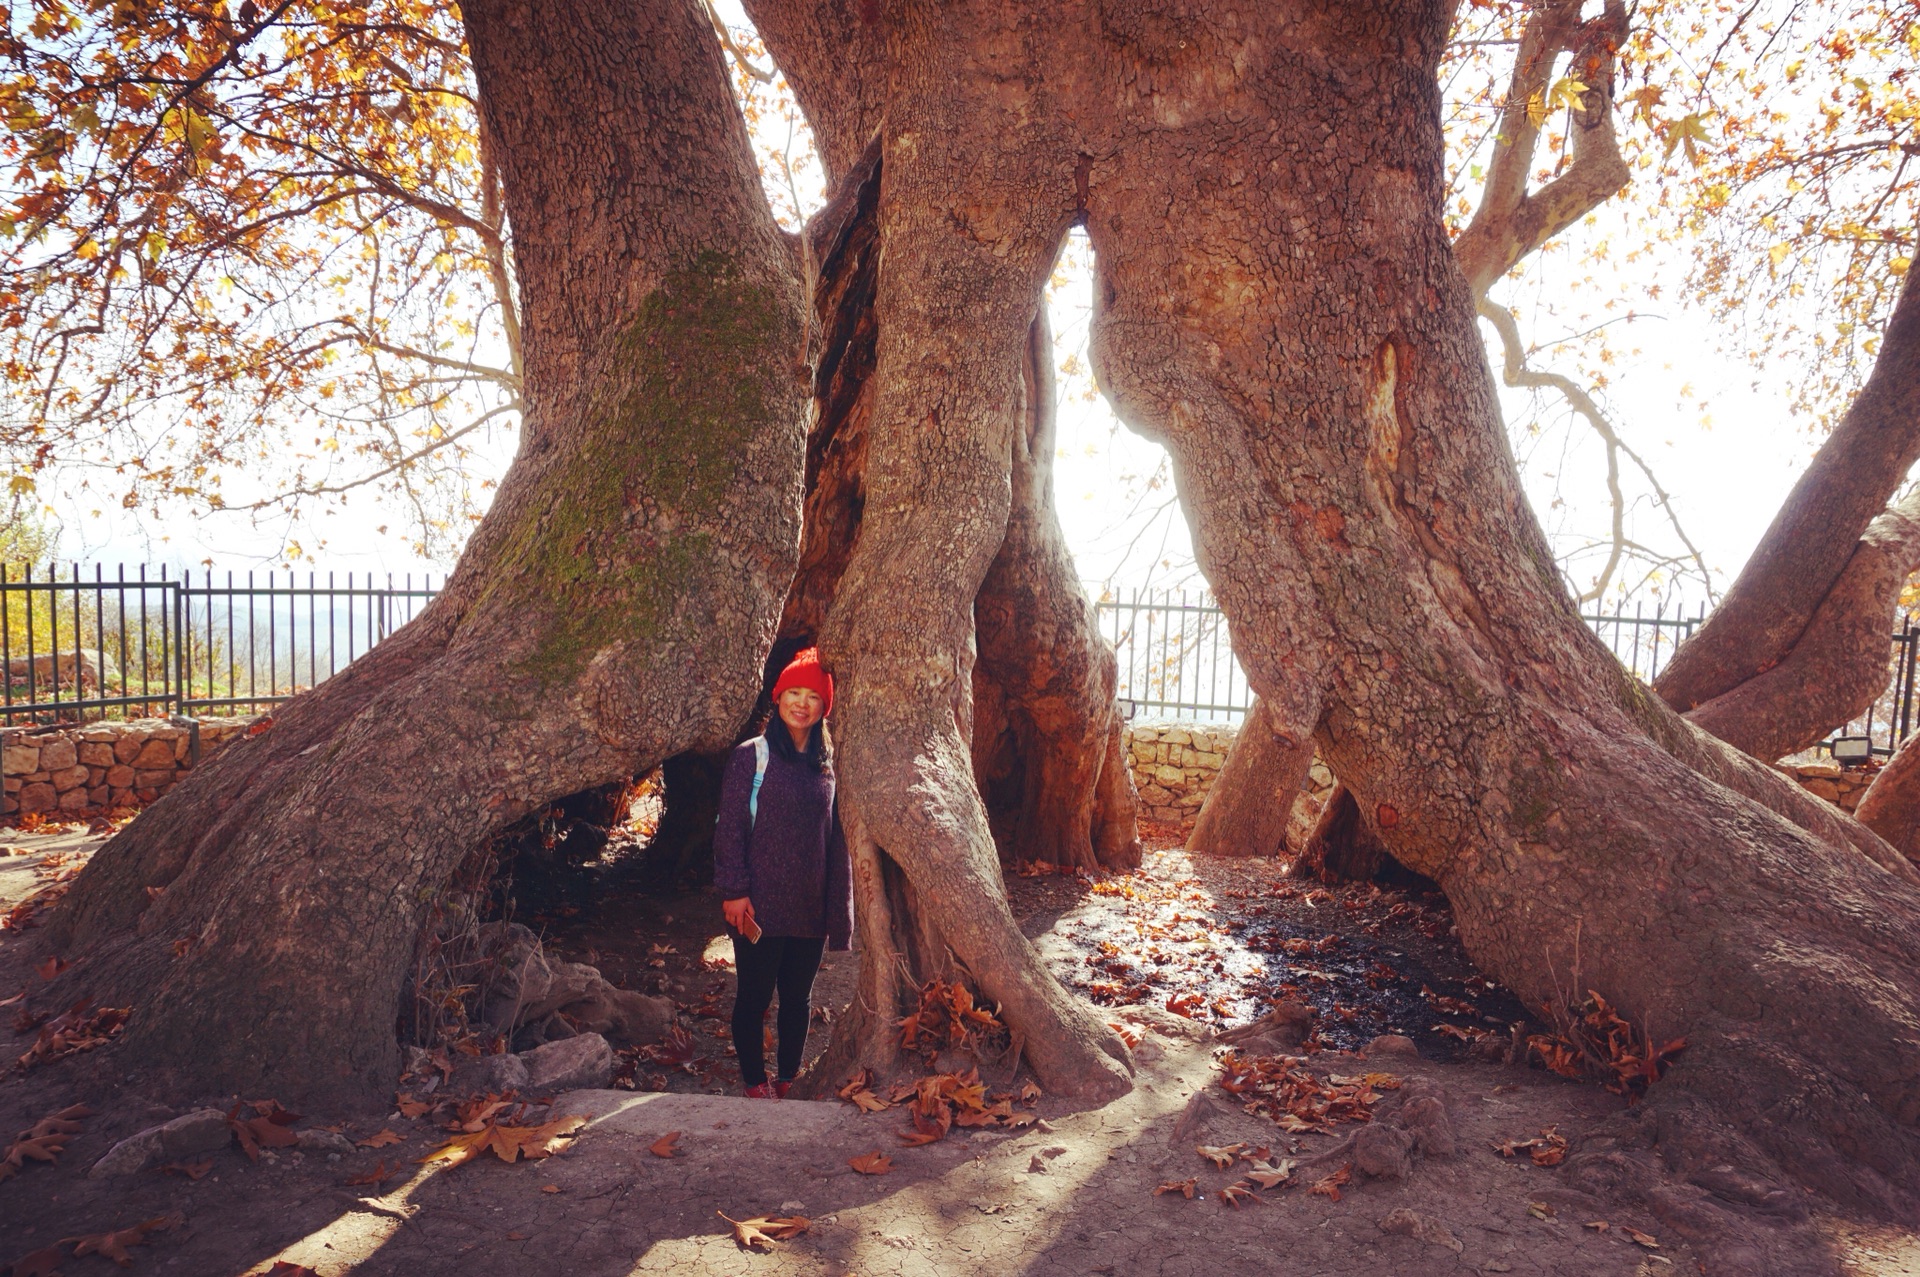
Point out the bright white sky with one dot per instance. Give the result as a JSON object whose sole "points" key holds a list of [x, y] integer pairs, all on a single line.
{"points": [[1726, 481]]}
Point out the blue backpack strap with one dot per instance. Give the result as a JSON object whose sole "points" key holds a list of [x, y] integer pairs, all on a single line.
{"points": [[759, 775]]}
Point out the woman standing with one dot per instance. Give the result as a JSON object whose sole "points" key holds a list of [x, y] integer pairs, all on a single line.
{"points": [[780, 864]]}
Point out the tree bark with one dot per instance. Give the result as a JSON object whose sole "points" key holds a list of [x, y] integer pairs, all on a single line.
{"points": [[1891, 805], [611, 610], [1247, 810], [1304, 342], [967, 243], [1804, 556], [1342, 848], [1046, 731]]}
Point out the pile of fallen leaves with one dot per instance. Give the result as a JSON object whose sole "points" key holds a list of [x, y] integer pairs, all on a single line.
{"points": [[112, 1244], [270, 1126], [44, 1141], [82, 1027], [1264, 1173], [1592, 1035], [492, 1124], [949, 1020], [1548, 1148], [937, 1104], [1280, 1087]]}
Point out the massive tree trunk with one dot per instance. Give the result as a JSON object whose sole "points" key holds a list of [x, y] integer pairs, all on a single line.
{"points": [[611, 610], [1046, 732], [1511, 221], [1304, 341], [1818, 592], [967, 244], [1049, 746]]}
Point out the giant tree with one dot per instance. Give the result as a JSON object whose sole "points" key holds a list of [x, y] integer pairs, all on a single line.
{"points": [[612, 609]]}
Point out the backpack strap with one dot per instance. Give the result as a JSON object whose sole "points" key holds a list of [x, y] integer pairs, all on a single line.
{"points": [[759, 775]]}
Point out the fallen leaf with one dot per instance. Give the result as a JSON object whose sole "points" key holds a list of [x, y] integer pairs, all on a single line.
{"points": [[1184, 1187], [1029, 1093], [868, 1102], [1329, 1186], [666, 1145], [113, 1245], [549, 1188], [41, 1263], [913, 1139], [192, 1170], [377, 1176], [52, 967], [516, 1237], [381, 1139], [1270, 1176], [410, 1107], [1222, 1156], [1235, 1195], [874, 1163], [1598, 1225], [508, 1143], [760, 1232], [1540, 1210], [1640, 1238]]}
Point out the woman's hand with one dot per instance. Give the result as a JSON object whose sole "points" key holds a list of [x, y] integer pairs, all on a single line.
{"points": [[739, 912]]}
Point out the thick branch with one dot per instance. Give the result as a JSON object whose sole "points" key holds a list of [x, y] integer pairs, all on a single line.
{"points": [[1801, 557]]}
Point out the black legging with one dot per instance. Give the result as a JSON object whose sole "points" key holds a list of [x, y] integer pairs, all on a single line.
{"points": [[788, 962]]}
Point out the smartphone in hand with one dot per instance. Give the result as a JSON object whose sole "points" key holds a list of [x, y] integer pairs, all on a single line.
{"points": [[751, 931]]}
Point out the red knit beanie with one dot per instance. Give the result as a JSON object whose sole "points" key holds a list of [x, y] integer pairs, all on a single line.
{"points": [[804, 671]]}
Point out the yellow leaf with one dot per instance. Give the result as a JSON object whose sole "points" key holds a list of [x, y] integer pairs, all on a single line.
{"points": [[86, 250], [1778, 253]]}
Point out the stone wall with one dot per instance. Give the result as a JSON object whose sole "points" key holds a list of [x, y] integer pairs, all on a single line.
{"points": [[90, 768], [1176, 763], [1841, 786]]}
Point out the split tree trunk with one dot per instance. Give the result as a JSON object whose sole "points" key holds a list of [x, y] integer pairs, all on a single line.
{"points": [[1247, 810], [611, 610], [1818, 592], [1046, 731]]}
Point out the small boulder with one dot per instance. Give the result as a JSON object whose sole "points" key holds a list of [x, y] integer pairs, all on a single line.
{"points": [[1422, 1228], [488, 1073], [1383, 1152], [315, 1140], [189, 1135], [1391, 1046], [581, 1063]]}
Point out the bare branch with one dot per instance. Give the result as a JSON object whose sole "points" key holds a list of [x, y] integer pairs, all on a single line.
{"points": [[1514, 372], [400, 464]]}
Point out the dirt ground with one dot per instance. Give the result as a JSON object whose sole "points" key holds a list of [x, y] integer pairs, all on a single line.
{"points": [[1186, 948]]}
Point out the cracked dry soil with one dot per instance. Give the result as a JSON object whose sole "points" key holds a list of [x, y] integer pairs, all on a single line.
{"points": [[1214, 937]]}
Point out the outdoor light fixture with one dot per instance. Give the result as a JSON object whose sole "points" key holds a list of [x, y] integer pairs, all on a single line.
{"points": [[1850, 749]]}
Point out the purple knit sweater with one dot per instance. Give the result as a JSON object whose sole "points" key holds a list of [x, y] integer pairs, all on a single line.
{"points": [[792, 862]]}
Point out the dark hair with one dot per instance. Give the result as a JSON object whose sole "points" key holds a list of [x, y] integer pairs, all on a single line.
{"points": [[819, 755]]}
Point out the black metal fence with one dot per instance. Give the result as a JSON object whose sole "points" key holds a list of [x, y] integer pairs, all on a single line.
{"points": [[78, 644], [1176, 660]]}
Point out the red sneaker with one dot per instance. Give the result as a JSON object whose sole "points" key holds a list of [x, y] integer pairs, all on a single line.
{"points": [[780, 1089], [764, 1091]]}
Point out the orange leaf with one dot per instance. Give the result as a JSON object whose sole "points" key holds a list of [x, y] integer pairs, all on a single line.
{"points": [[1329, 1187], [381, 1139], [41, 1263], [1184, 1187], [760, 1232], [874, 1163], [377, 1176], [113, 1245], [665, 1146]]}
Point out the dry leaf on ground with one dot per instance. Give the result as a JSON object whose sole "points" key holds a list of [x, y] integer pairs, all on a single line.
{"points": [[666, 1146], [44, 1262], [1640, 1238], [874, 1163], [113, 1245], [1222, 1156], [1329, 1186], [1267, 1175], [1184, 1187], [1236, 1195], [192, 1170], [44, 1141], [377, 1177], [760, 1232], [381, 1139], [508, 1143]]}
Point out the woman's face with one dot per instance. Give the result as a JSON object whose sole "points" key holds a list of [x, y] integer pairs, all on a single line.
{"points": [[801, 707]]}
